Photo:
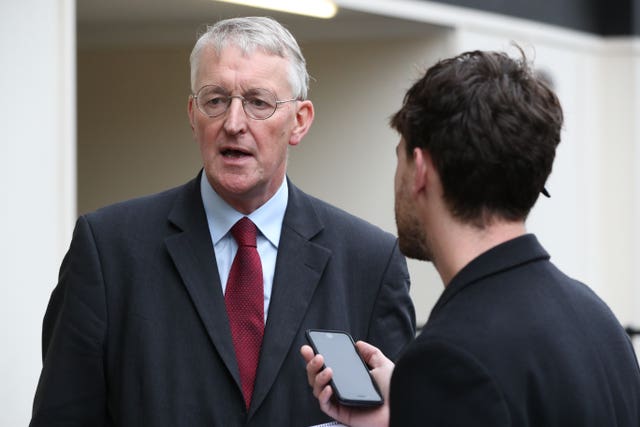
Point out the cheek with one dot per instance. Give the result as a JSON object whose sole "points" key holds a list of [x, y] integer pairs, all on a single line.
{"points": [[273, 140], [397, 179], [206, 134]]}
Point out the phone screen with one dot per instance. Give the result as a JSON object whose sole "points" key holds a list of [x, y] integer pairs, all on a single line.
{"points": [[352, 384]]}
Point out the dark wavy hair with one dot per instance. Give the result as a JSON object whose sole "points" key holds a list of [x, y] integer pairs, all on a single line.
{"points": [[491, 126]]}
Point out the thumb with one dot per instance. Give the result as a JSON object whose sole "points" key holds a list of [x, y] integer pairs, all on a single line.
{"points": [[372, 355]]}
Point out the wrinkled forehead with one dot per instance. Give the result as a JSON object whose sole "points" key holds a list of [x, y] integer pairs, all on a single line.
{"points": [[238, 70], [249, 46]]}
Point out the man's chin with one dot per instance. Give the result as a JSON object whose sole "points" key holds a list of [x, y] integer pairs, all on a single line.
{"points": [[413, 250], [236, 184]]}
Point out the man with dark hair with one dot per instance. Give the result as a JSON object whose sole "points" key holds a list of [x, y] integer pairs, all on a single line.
{"points": [[512, 341]]}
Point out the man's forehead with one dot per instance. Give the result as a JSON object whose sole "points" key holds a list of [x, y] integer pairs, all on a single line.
{"points": [[241, 50]]}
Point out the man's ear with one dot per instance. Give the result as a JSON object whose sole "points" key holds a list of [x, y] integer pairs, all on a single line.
{"points": [[304, 118], [421, 163], [191, 113]]}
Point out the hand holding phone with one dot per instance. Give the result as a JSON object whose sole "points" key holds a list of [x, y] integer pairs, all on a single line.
{"points": [[352, 383]]}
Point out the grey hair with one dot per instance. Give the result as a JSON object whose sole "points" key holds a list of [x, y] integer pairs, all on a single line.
{"points": [[249, 34]]}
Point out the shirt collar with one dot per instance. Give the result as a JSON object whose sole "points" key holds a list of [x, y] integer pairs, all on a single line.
{"points": [[221, 216]]}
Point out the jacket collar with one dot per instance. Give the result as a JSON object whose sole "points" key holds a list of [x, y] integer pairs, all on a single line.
{"points": [[507, 255]]}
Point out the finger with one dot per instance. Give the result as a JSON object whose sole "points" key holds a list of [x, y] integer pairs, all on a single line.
{"points": [[307, 353], [326, 403], [313, 368], [321, 381]]}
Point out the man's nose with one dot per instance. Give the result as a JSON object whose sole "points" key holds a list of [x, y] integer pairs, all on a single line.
{"points": [[236, 119]]}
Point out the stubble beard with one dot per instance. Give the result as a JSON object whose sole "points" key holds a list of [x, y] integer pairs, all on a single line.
{"points": [[412, 238]]}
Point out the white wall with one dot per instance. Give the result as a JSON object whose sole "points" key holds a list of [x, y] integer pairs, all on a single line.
{"points": [[133, 132], [37, 183], [634, 93], [617, 155]]}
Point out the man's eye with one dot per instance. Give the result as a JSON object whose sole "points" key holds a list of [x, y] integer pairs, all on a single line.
{"points": [[216, 100], [257, 102]]}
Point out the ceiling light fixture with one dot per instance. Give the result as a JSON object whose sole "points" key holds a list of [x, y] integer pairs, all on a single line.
{"points": [[316, 8]]}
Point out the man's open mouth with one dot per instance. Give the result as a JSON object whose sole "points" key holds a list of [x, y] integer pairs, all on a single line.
{"points": [[234, 153]]}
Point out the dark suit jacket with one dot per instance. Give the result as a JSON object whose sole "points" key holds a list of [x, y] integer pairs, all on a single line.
{"points": [[136, 332], [512, 341]]}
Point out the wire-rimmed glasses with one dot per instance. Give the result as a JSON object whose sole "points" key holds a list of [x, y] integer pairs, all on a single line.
{"points": [[258, 103]]}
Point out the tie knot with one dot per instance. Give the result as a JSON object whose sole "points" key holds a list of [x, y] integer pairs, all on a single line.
{"points": [[245, 231]]}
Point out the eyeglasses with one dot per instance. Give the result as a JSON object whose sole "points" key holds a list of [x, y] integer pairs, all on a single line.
{"points": [[259, 104]]}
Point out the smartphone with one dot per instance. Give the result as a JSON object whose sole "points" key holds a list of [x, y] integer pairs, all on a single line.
{"points": [[352, 383]]}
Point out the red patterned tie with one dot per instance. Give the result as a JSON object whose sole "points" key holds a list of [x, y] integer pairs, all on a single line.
{"points": [[244, 298]]}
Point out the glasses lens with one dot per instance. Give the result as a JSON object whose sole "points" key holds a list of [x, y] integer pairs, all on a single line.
{"points": [[212, 100], [259, 103]]}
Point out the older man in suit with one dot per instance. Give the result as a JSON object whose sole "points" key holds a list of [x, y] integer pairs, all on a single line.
{"points": [[512, 341], [187, 308]]}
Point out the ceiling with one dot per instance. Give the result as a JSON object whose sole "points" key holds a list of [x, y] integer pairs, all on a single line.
{"points": [[144, 22]]}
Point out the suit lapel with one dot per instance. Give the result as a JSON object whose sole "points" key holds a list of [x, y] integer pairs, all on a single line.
{"points": [[192, 252], [299, 267]]}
